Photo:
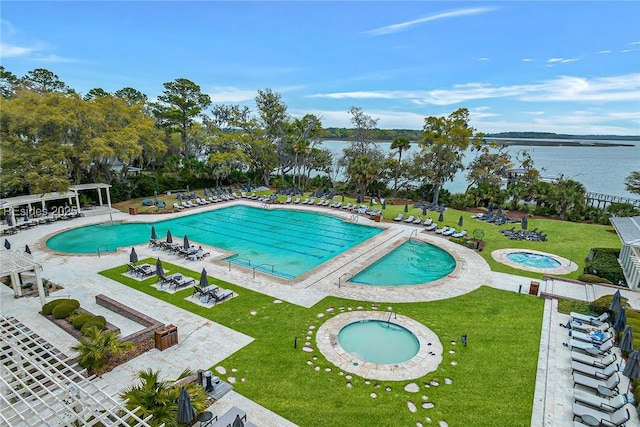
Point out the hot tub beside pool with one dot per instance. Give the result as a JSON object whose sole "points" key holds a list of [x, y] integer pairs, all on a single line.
{"points": [[420, 352], [534, 261]]}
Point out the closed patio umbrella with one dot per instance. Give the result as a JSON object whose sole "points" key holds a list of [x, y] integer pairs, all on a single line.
{"points": [[406, 208], [9, 221], [615, 302], [441, 217], [343, 198], [626, 342], [524, 223], [237, 422], [204, 279], [632, 369], [186, 243], [460, 221], [26, 215], [185, 408], [620, 321], [169, 237], [490, 207], [154, 236], [7, 245], [159, 270], [384, 204], [133, 256], [27, 249], [424, 210]]}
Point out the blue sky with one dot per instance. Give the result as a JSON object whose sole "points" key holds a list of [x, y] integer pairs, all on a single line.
{"points": [[549, 66]]}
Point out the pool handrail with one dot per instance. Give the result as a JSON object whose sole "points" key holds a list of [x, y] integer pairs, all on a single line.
{"points": [[341, 276], [238, 258], [105, 247], [273, 267]]}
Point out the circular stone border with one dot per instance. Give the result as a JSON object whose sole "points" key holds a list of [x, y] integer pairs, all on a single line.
{"points": [[427, 359], [566, 266]]}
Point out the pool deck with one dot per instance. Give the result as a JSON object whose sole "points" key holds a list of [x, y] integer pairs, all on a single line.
{"points": [[78, 275]]}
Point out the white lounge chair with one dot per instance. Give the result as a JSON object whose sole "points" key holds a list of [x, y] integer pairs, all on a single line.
{"points": [[610, 383], [584, 345], [288, 200], [305, 201], [399, 217], [442, 230], [177, 206], [459, 234], [587, 327], [589, 319], [595, 361], [600, 373], [296, 200], [604, 404], [418, 220], [427, 221], [614, 419], [410, 219], [431, 227], [598, 337], [449, 232]]}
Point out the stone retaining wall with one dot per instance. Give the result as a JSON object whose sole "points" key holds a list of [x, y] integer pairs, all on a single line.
{"points": [[151, 324]]}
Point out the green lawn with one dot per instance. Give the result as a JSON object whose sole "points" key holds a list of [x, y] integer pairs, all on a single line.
{"points": [[494, 374]]}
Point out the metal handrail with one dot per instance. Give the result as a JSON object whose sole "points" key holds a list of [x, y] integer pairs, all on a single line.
{"points": [[244, 259], [411, 235], [258, 266], [341, 276], [105, 247]]}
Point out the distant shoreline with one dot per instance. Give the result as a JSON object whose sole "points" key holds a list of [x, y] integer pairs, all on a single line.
{"points": [[530, 143]]}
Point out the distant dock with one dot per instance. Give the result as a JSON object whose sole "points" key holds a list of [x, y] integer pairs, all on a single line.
{"points": [[599, 200]]}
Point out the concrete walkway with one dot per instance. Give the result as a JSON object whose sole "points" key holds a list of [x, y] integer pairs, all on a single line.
{"points": [[203, 343]]}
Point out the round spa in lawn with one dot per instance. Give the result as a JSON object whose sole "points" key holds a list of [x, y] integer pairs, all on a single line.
{"points": [[378, 341], [379, 345], [536, 261]]}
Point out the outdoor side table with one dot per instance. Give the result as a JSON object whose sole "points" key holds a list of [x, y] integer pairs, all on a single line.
{"points": [[205, 418]]}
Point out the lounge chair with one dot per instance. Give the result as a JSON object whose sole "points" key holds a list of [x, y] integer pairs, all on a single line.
{"points": [[218, 295], [431, 227], [177, 206], [598, 337], [610, 383], [604, 404], [459, 234], [198, 255], [427, 221], [346, 207], [613, 419], [410, 219], [418, 220], [449, 232], [229, 418], [163, 280], [584, 345], [179, 281], [585, 318], [288, 200], [296, 200], [400, 217], [595, 361], [600, 373], [146, 270], [305, 201], [577, 325], [442, 230], [132, 269], [199, 291]]}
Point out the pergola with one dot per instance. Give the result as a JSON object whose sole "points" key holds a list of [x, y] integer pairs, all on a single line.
{"points": [[40, 386], [628, 229], [38, 201], [13, 264]]}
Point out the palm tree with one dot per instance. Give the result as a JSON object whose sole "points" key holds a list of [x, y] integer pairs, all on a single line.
{"points": [[568, 195], [159, 398], [401, 144], [363, 171], [97, 346]]}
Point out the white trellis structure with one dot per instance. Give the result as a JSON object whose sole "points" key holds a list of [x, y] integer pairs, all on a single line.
{"points": [[628, 229], [40, 386]]}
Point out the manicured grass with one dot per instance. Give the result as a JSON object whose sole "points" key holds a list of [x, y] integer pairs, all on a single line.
{"points": [[494, 374]]}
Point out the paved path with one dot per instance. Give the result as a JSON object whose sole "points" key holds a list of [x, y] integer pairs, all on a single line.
{"points": [[204, 343]]}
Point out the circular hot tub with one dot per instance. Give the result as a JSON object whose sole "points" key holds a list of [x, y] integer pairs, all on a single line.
{"points": [[534, 261]]}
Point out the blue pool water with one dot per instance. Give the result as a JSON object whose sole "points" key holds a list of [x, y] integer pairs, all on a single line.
{"points": [[283, 242], [411, 263], [378, 341], [533, 260]]}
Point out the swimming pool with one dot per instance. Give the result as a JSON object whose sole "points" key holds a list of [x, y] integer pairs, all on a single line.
{"points": [[378, 341], [533, 260], [284, 242], [412, 263]]}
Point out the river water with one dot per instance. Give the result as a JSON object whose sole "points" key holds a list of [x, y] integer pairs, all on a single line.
{"points": [[600, 169]]}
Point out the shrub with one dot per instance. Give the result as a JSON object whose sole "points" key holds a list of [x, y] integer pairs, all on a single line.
{"points": [[82, 318], [47, 309], [98, 321], [604, 263], [592, 278], [603, 303], [64, 310]]}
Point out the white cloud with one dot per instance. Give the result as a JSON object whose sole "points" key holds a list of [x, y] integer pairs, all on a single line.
{"points": [[562, 89], [604, 51], [552, 62], [232, 94], [7, 50], [527, 60], [484, 59], [394, 28]]}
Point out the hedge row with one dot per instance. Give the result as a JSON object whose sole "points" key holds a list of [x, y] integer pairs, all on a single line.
{"points": [[603, 262]]}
